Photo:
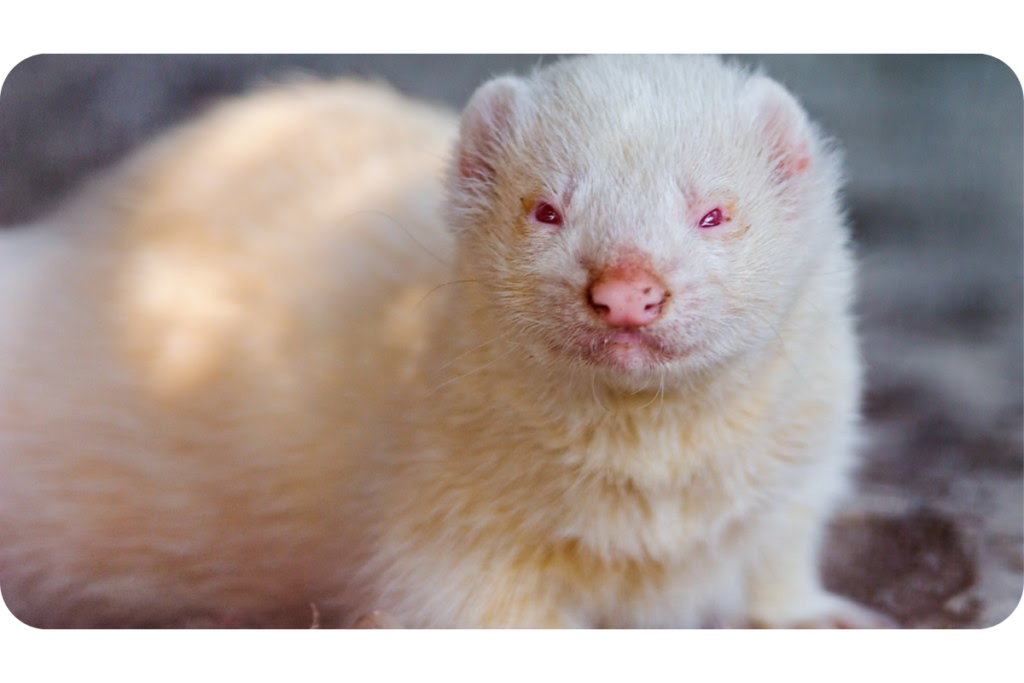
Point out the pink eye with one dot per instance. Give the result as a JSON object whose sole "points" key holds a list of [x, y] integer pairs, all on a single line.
{"points": [[545, 213], [712, 219]]}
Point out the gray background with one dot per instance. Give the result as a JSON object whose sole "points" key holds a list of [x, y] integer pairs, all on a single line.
{"points": [[935, 160]]}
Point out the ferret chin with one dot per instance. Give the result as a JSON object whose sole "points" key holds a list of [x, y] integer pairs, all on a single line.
{"points": [[581, 358]]}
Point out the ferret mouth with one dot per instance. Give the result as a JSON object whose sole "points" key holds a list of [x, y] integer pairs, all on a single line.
{"points": [[628, 349], [628, 337]]}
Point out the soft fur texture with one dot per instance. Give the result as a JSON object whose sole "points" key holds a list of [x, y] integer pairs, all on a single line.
{"points": [[270, 361]]}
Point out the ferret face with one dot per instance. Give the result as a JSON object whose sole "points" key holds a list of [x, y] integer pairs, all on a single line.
{"points": [[642, 218]]}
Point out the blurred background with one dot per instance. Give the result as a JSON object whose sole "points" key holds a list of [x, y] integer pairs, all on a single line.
{"points": [[935, 161]]}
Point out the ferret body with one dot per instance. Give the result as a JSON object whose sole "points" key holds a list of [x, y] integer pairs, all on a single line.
{"points": [[605, 374]]}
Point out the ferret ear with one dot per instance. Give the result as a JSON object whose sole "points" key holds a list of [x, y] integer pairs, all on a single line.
{"points": [[488, 119], [783, 126]]}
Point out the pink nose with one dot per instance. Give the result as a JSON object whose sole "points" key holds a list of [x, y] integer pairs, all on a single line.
{"points": [[632, 302]]}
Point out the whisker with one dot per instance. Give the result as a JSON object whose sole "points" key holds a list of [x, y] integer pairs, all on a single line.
{"points": [[394, 221], [441, 286], [478, 346], [471, 372], [647, 383], [593, 390], [782, 342], [657, 394]]}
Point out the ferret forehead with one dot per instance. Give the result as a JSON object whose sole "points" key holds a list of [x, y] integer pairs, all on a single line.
{"points": [[607, 70], [622, 88], [639, 107]]}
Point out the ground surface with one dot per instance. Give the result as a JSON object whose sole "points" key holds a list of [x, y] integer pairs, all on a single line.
{"points": [[934, 148]]}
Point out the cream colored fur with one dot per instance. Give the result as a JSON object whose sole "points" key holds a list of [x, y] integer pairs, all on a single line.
{"points": [[251, 368]]}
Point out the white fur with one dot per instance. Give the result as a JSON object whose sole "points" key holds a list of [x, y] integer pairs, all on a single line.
{"points": [[250, 368]]}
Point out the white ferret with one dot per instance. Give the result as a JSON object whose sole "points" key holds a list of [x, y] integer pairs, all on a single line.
{"points": [[607, 377]]}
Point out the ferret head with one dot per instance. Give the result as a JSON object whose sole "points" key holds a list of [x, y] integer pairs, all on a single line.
{"points": [[641, 217]]}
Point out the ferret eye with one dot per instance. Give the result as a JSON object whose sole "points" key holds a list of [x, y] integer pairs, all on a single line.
{"points": [[711, 219], [547, 214]]}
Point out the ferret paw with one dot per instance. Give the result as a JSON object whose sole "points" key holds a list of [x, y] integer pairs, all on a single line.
{"points": [[832, 611], [376, 619]]}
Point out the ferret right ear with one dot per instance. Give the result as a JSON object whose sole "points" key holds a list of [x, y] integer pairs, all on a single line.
{"points": [[784, 128], [487, 122]]}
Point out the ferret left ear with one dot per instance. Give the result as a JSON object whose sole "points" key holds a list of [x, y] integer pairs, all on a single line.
{"points": [[487, 121], [783, 126]]}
